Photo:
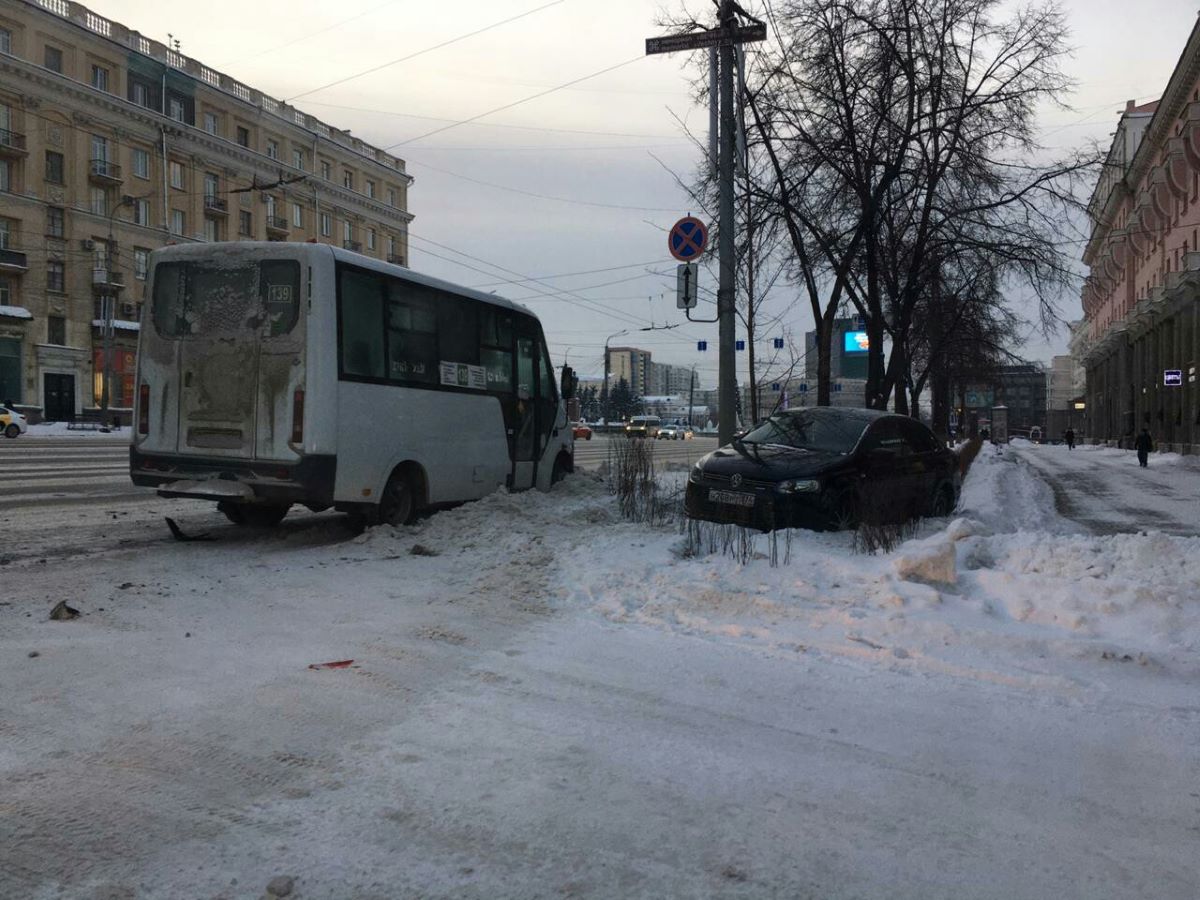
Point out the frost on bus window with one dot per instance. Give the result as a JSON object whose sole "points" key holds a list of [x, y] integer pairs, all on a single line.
{"points": [[281, 295], [192, 299]]}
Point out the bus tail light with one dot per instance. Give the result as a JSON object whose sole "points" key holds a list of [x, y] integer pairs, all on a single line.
{"points": [[298, 417], [144, 409]]}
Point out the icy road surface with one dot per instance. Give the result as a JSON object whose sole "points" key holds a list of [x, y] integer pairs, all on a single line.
{"points": [[1105, 490], [561, 704]]}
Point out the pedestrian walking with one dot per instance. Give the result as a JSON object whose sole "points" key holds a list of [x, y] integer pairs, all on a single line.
{"points": [[1070, 436], [1143, 445]]}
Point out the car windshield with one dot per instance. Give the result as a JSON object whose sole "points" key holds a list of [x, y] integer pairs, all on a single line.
{"points": [[806, 431]]}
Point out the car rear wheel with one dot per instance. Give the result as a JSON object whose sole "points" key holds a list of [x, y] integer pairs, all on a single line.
{"points": [[12, 431], [943, 504]]}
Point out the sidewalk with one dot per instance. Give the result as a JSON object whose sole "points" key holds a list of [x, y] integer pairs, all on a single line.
{"points": [[1105, 490]]}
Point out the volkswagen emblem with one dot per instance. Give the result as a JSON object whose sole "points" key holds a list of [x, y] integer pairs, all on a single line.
{"points": [[736, 481]]}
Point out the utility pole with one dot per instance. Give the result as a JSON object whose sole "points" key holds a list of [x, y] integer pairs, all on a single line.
{"points": [[723, 37], [691, 396]]}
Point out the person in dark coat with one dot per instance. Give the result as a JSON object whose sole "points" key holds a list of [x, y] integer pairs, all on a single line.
{"points": [[1070, 436], [1143, 445]]}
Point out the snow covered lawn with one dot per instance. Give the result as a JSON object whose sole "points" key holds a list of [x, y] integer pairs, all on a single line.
{"points": [[546, 701]]}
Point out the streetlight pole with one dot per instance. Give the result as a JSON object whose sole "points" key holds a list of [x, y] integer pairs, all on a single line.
{"points": [[604, 410]]}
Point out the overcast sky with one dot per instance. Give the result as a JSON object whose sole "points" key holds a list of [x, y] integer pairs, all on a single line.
{"points": [[602, 154]]}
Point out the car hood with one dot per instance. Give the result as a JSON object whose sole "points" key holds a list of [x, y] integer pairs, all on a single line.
{"points": [[770, 462]]}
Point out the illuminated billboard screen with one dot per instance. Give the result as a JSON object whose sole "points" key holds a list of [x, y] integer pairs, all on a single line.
{"points": [[855, 342]]}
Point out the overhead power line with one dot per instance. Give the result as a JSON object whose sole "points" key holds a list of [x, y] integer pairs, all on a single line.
{"points": [[453, 40]]}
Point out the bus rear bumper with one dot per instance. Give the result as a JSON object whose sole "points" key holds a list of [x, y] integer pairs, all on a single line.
{"points": [[310, 480]]}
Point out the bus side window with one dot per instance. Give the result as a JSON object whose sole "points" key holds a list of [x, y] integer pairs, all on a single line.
{"points": [[495, 350], [360, 307], [412, 333], [458, 329]]}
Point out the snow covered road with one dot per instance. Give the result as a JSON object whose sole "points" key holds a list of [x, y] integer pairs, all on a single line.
{"points": [[547, 701], [1106, 491]]}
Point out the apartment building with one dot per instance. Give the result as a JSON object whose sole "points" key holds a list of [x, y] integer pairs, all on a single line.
{"points": [[1141, 337], [113, 144], [631, 364]]}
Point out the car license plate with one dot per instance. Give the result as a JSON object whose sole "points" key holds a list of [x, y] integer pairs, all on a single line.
{"points": [[734, 498]]}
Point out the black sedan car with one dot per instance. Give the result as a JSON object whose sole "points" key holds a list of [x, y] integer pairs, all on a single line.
{"points": [[826, 468]]}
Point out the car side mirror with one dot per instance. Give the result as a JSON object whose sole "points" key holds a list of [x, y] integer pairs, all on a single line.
{"points": [[568, 383]]}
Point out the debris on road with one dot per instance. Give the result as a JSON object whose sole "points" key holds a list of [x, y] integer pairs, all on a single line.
{"points": [[422, 550], [340, 664], [280, 886], [63, 613], [178, 534]]}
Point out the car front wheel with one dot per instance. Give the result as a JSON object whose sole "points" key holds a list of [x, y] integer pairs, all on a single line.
{"points": [[12, 431]]}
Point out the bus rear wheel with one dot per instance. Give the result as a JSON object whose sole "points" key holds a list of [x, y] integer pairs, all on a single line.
{"points": [[255, 515], [398, 503]]}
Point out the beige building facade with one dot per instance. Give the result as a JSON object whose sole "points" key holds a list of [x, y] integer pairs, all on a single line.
{"points": [[112, 144]]}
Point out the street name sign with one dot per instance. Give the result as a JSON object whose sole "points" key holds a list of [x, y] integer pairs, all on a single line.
{"points": [[698, 40]]}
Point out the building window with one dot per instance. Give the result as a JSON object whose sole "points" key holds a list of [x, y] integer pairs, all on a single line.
{"points": [[211, 123], [5, 291], [100, 149], [245, 223], [391, 247], [56, 330], [100, 78], [212, 229], [391, 196], [53, 59], [326, 225], [5, 175], [141, 212], [141, 263], [326, 171], [272, 149], [5, 40], [5, 234], [347, 232], [54, 167], [141, 163], [177, 221], [370, 238], [140, 94], [297, 215], [99, 200], [56, 279], [370, 189], [348, 179], [298, 160], [176, 170], [243, 136], [175, 109], [212, 185], [55, 219]]}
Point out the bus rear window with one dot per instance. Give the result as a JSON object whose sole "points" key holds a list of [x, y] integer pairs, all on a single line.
{"points": [[192, 299]]}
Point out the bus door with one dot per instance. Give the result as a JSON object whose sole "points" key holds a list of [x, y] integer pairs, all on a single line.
{"points": [[525, 431], [237, 345]]}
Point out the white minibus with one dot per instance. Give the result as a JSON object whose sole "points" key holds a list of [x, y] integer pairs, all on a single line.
{"points": [[272, 374]]}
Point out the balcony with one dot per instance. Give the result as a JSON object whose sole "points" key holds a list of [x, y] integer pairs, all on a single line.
{"points": [[397, 259], [356, 246], [216, 206], [12, 144], [277, 225], [12, 262], [106, 279], [102, 171]]}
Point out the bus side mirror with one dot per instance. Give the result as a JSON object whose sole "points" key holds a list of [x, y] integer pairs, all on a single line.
{"points": [[568, 383]]}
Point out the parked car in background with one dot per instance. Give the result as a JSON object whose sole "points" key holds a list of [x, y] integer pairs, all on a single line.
{"points": [[12, 423], [581, 430], [826, 468], [643, 426]]}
